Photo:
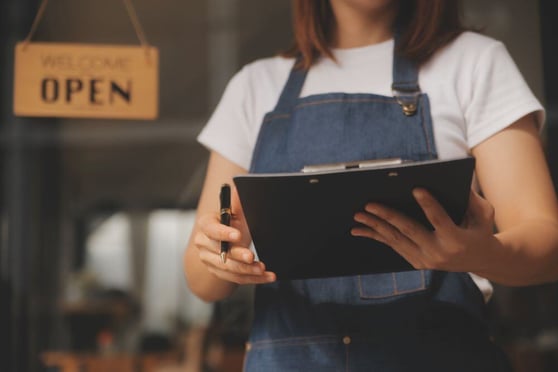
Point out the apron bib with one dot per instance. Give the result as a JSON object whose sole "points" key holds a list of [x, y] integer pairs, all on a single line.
{"points": [[416, 320]]}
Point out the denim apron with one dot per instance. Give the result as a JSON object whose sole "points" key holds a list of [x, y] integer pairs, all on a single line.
{"points": [[408, 321]]}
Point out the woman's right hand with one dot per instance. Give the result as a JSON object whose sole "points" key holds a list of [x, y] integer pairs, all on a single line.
{"points": [[240, 266]]}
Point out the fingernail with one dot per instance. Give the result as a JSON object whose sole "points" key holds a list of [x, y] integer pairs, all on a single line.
{"points": [[270, 277], [234, 235], [418, 193], [372, 208], [257, 270], [247, 257]]}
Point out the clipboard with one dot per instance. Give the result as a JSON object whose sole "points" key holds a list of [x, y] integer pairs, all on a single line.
{"points": [[300, 222]]}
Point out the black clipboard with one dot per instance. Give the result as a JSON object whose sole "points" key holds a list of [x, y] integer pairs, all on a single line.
{"points": [[300, 222]]}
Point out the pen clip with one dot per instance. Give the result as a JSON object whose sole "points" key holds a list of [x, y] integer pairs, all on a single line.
{"points": [[225, 206], [225, 196]]}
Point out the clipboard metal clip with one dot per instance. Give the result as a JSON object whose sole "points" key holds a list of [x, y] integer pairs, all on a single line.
{"points": [[351, 165]]}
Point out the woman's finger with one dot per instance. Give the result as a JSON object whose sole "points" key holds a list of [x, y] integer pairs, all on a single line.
{"points": [[236, 271], [479, 210], [410, 228], [238, 253], [203, 242], [211, 226], [232, 265], [434, 212], [411, 256], [266, 277], [382, 231], [241, 254]]}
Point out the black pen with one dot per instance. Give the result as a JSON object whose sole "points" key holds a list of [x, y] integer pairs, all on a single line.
{"points": [[225, 201]]}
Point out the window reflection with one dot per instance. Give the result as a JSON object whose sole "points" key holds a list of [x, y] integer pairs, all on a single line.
{"points": [[108, 251], [130, 299]]}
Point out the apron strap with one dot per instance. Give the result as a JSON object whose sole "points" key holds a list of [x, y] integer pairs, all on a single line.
{"points": [[405, 87], [293, 87], [405, 75]]}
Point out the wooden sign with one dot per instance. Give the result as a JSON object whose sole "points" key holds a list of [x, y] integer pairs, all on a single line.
{"points": [[86, 81]]}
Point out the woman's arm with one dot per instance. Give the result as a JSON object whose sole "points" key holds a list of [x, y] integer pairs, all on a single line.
{"points": [[520, 198], [208, 277], [512, 172]]}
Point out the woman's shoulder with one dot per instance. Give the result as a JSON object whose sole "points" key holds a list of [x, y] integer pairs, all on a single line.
{"points": [[471, 39], [266, 72], [468, 46], [465, 54], [258, 81]]}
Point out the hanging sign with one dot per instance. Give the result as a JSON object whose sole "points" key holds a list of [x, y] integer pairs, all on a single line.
{"points": [[85, 80], [94, 81]]}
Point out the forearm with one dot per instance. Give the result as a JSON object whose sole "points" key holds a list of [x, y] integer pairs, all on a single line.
{"points": [[203, 283], [523, 255]]}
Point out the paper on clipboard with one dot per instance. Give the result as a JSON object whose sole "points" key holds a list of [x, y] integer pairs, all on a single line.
{"points": [[351, 165]]}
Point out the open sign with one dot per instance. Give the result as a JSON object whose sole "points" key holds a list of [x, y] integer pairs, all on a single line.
{"points": [[96, 81]]}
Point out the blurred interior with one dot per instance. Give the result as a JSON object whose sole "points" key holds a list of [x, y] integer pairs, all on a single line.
{"points": [[95, 214]]}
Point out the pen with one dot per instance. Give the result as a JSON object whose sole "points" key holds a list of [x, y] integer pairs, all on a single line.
{"points": [[225, 201]]}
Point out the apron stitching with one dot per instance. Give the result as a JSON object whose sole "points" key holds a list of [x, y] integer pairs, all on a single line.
{"points": [[426, 135], [397, 293], [293, 340], [278, 116], [315, 103], [353, 100]]}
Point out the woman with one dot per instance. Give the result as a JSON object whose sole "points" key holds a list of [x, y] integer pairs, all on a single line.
{"points": [[413, 85]]}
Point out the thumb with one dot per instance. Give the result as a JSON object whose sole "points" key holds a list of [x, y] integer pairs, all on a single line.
{"points": [[480, 210]]}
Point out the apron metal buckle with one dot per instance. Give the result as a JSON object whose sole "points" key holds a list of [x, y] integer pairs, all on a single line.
{"points": [[407, 100]]}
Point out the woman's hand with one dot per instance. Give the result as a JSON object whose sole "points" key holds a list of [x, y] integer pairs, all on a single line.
{"points": [[449, 247], [240, 266]]}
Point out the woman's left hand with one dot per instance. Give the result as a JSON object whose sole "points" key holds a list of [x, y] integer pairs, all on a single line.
{"points": [[449, 247]]}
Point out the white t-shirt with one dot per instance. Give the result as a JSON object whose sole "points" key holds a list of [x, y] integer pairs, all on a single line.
{"points": [[475, 90]]}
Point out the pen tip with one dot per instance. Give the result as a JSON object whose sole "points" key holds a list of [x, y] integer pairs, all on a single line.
{"points": [[223, 257]]}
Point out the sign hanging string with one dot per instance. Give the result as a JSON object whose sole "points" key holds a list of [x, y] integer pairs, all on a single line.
{"points": [[129, 8]]}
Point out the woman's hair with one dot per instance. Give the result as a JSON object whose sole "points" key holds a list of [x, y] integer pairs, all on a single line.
{"points": [[424, 26]]}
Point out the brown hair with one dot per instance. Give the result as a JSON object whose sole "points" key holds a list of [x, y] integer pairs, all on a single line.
{"points": [[426, 26]]}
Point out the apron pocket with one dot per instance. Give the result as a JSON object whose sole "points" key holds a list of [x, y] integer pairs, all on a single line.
{"points": [[315, 353], [393, 285]]}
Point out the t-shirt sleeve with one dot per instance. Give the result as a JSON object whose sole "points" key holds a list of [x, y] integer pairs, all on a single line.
{"points": [[227, 131], [500, 96]]}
